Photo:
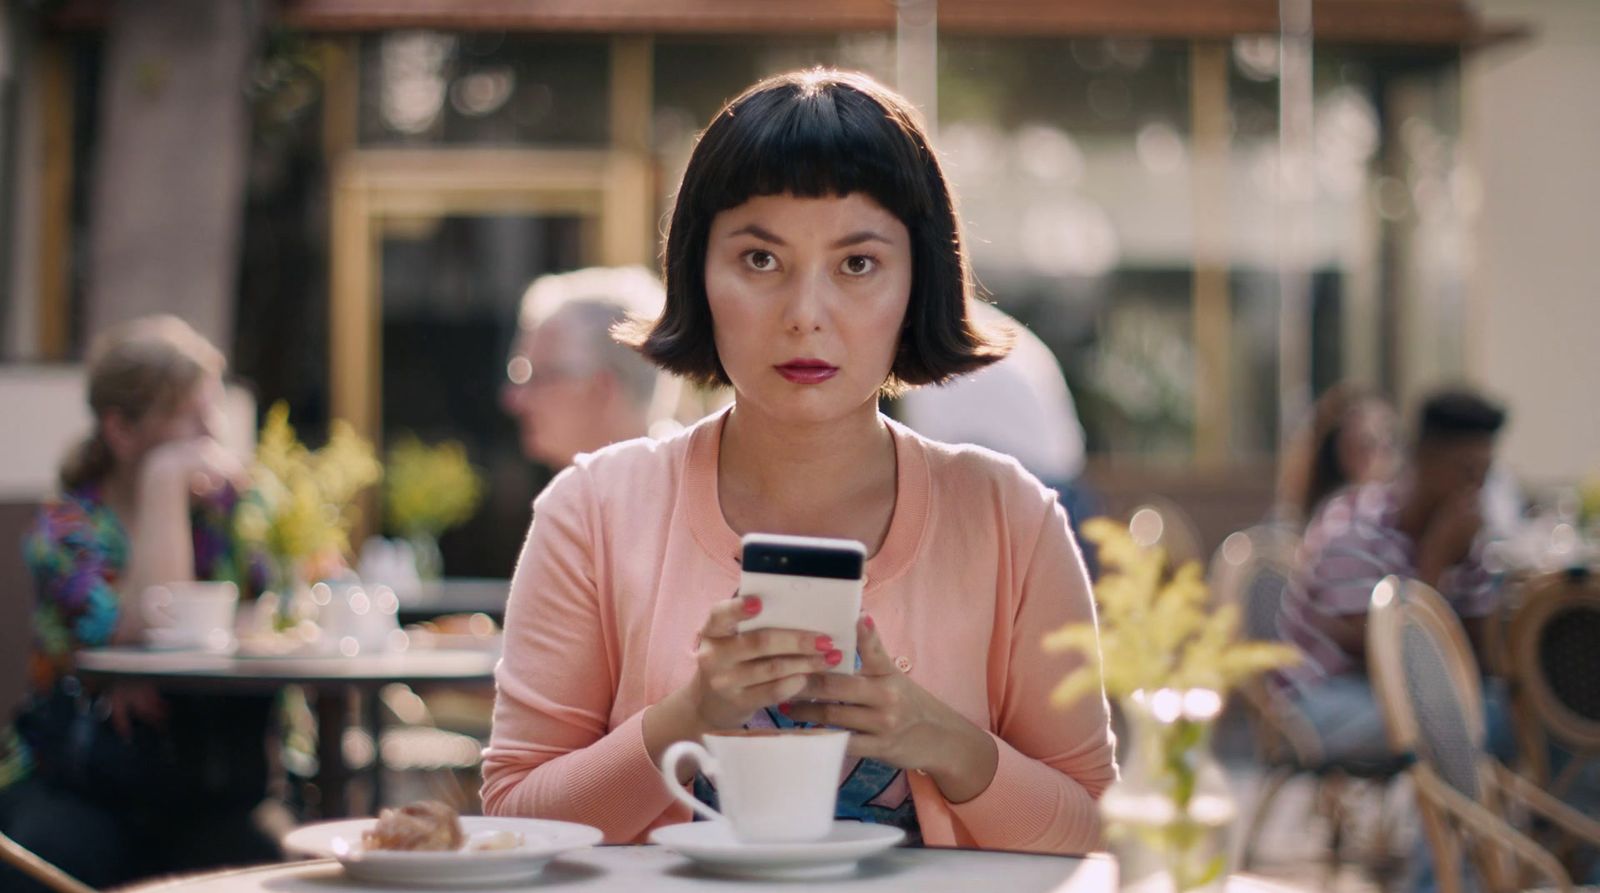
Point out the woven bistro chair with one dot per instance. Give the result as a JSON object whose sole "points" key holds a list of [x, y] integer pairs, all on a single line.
{"points": [[1254, 569], [1554, 644], [1159, 521], [29, 863], [1427, 683]]}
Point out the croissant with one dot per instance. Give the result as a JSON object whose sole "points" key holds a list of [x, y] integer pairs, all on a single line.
{"points": [[424, 825]]}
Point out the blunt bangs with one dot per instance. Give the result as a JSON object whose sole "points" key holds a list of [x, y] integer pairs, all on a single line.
{"points": [[812, 142]]}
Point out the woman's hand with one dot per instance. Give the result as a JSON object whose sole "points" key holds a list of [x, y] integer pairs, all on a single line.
{"points": [[127, 703], [201, 463], [735, 675], [896, 721]]}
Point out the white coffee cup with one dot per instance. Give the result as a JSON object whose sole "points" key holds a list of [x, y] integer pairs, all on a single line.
{"points": [[190, 614], [774, 785]]}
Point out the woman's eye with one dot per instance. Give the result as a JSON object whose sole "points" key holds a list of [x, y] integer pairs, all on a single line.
{"points": [[760, 260], [859, 265]]}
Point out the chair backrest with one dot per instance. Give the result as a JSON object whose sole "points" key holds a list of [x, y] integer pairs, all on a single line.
{"points": [[1426, 683], [1158, 521], [1555, 655], [29, 863], [1253, 569]]}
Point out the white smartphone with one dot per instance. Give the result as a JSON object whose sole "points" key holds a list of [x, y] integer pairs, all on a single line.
{"points": [[807, 583]]}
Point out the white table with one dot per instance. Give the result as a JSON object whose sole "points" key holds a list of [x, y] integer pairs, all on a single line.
{"points": [[624, 869], [332, 680]]}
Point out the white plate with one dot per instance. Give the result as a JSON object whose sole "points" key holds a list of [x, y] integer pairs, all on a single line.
{"points": [[542, 840], [713, 847]]}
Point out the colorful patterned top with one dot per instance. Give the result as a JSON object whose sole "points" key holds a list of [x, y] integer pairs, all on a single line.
{"points": [[76, 553]]}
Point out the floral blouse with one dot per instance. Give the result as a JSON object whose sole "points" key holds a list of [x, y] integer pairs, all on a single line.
{"points": [[76, 553]]}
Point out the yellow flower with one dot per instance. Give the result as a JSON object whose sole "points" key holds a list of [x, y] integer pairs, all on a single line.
{"points": [[430, 489], [1155, 631], [302, 502], [1589, 499]]}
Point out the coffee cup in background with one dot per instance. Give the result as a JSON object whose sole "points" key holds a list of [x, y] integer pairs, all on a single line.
{"points": [[190, 615], [774, 785]]}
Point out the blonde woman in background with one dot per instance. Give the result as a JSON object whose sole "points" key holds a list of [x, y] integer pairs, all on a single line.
{"points": [[120, 783]]}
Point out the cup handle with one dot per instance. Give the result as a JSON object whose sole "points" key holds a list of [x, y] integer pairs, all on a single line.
{"points": [[669, 773], [156, 610]]}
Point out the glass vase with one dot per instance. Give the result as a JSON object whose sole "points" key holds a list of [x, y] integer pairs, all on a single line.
{"points": [[289, 599], [425, 551], [1169, 816]]}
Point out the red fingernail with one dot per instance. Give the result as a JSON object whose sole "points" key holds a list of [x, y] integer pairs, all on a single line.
{"points": [[785, 707], [824, 643], [833, 658], [867, 619], [752, 605]]}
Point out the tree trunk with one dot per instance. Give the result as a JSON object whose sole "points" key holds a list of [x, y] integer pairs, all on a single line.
{"points": [[168, 172]]}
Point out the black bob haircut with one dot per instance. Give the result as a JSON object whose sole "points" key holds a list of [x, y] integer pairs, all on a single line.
{"points": [[814, 134], [1458, 415]]}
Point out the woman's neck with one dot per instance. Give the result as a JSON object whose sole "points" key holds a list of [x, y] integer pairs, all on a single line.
{"points": [[119, 489], [835, 478]]}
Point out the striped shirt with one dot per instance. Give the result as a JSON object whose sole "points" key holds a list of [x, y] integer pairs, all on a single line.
{"points": [[1352, 543]]}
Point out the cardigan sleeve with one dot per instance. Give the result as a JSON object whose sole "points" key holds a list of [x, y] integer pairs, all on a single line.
{"points": [[1053, 764], [552, 752]]}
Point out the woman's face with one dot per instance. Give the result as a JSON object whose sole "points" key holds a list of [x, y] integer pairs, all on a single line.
{"points": [[197, 414], [1369, 443], [808, 297]]}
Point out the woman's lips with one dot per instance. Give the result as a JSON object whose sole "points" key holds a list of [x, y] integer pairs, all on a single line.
{"points": [[807, 371]]}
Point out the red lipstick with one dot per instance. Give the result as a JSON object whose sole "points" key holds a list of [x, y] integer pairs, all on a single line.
{"points": [[807, 371]]}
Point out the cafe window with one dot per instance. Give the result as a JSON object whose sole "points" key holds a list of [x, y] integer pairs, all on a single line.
{"points": [[428, 88]]}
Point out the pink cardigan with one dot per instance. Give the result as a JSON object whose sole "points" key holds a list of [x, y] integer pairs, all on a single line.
{"points": [[629, 550]]}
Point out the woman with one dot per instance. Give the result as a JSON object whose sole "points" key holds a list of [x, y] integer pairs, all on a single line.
{"points": [[1351, 438], [117, 784], [813, 263]]}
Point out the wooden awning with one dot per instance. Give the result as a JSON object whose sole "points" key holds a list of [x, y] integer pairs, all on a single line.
{"points": [[1396, 22]]}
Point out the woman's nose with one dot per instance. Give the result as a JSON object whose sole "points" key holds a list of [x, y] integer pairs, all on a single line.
{"points": [[806, 307]]}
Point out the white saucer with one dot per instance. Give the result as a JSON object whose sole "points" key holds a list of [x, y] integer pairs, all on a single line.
{"points": [[712, 846], [158, 638], [542, 840]]}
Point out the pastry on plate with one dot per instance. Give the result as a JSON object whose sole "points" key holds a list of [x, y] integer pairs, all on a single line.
{"points": [[424, 825]]}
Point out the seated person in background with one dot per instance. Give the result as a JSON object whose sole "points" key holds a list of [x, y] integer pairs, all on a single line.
{"points": [[117, 784], [1020, 406], [1423, 526], [814, 263], [570, 386], [1351, 439]]}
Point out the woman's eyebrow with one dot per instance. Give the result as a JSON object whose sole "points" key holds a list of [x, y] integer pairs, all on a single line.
{"points": [[752, 229], [865, 235]]}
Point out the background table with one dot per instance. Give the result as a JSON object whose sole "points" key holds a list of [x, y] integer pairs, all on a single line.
{"points": [[630, 868], [456, 595], [332, 681]]}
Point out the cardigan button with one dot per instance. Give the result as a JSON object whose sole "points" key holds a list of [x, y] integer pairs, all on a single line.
{"points": [[903, 664]]}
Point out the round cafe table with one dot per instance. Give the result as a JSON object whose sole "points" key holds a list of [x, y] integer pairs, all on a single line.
{"points": [[332, 682], [624, 869]]}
